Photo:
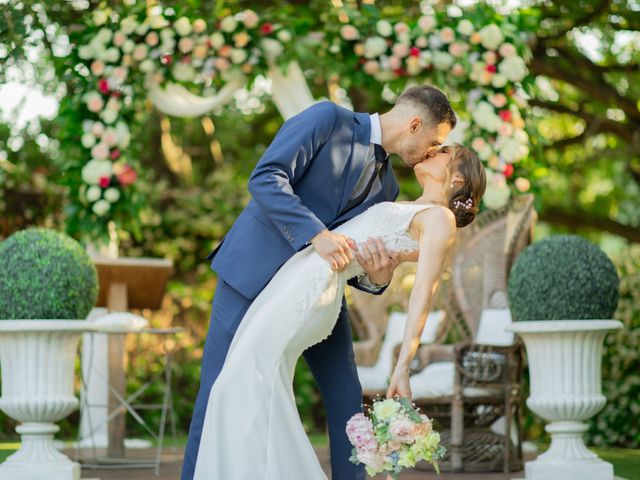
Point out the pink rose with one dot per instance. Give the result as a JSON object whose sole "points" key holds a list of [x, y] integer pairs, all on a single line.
{"points": [[400, 50], [478, 143], [95, 104], [97, 67], [371, 67], [507, 50], [152, 39], [225, 51], [127, 176], [250, 18], [349, 32], [360, 432], [490, 57], [222, 64], [395, 63], [100, 151], [371, 459], [458, 70], [119, 38], [498, 100], [447, 35], [505, 130], [185, 44], [403, 430], [457, 49], [401, 28], [110, 137]]}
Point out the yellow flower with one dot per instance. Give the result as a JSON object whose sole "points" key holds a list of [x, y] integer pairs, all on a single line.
{"points": [[385, 409]]}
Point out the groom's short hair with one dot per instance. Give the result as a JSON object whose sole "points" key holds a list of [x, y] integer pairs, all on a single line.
{"points": [[432, 102]]}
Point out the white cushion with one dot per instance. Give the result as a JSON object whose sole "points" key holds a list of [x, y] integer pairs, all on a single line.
{"points": [[491, 330], [435, 380], [375, 377]]}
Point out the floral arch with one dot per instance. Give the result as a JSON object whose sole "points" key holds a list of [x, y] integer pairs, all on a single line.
{"points": [[188, 67]]}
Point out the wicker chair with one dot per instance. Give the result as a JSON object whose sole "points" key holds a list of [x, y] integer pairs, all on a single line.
{"points": [[487, 379]]}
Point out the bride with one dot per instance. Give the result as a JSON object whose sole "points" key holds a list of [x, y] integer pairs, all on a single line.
{"points": [[252, 428]]}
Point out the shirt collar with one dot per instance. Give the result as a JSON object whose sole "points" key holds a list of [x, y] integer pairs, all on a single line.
{"points": [[376, 130]]}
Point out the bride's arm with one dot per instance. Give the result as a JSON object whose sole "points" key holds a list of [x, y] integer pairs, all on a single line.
{"points": [[437, 229]]}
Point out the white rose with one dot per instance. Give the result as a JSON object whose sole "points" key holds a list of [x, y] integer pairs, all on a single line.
{"points": [[442, 60], [228, 24], [110, 137], [511, 150], [94, 102], [272, 48], [119, 74], [124, 137], [85, 52], [128, 46], [147, 66], [497, 192], [384, 28], [104, 35], [374, 47], [100, 151], [182, 26], [284, 36], [142, 29], [513, 68], [507, 50], [426, 23], [94, 192], [499, 80], [101, 207], [109, 116], [484, 115], [88, 140], [157, 22], [217, 40], [183, 72], [128, 25], [485, 152], [111, 194], [100, 17], [112, 55], [94, 169], [465, 27], [491, 36], [185, 45], [238, 55]]}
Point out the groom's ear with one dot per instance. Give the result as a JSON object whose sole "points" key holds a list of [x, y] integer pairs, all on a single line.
{"points": [[415, 125]]}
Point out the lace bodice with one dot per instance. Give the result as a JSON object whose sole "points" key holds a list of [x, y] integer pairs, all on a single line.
{"points": [[387, 220]]}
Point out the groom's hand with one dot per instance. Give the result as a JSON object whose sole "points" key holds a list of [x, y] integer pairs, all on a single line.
{"points": [[377, 262], [335, 248]]}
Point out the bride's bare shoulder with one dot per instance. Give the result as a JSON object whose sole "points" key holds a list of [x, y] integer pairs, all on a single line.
{"points": [[437, 218]]}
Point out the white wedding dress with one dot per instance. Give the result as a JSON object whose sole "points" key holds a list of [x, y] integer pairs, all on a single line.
{"points": [[252, 429]]}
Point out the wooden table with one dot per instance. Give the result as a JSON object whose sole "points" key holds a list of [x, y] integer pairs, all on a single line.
{"points": [[127, 283]]}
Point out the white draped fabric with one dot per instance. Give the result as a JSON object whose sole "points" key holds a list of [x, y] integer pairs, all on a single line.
{"points": [[289, 92]]}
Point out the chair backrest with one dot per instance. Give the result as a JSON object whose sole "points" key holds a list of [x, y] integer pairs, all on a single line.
{"points": [[482, 259]]}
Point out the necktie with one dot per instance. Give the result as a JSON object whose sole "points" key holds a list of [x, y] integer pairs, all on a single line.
{"points": [[381, 157]]}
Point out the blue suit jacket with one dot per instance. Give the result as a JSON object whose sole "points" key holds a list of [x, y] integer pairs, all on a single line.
{"points": [[300, 186]]}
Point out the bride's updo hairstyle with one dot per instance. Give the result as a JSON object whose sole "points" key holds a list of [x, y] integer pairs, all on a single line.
{"points": [[464, 198]]}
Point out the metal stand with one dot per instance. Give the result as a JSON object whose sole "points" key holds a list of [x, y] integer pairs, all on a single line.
{"points": [[123, 404]]}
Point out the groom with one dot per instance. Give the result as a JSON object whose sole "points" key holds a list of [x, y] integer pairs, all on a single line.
{"points": [[325, 166]]}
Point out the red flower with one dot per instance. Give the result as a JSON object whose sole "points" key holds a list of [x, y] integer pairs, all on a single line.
{"points": [[115, 154], [103, 86], [505, 115], [414, 52], [104, 181], [508, 170], [266, 28], [186, 60], [127, 176], [491, 68], [116, 93], [166, 59], [401, 72]]}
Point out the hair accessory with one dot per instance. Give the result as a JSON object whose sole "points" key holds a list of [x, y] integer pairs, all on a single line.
{"points": [[467, 204]]}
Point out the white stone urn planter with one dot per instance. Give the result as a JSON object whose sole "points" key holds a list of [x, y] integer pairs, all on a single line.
{"points": [[37, 358], [565, 358]]}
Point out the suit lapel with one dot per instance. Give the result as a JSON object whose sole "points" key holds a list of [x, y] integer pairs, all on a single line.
{"points": [[359, 152]]}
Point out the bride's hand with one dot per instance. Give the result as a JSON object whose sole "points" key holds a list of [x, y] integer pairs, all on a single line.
{"points": [[399, 385]]}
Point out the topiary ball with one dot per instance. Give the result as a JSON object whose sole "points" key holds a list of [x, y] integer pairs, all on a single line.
{"points": [[45, 274], [563, 277]]}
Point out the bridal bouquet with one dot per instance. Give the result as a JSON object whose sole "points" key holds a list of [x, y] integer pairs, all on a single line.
{"points": [[394, 436]]}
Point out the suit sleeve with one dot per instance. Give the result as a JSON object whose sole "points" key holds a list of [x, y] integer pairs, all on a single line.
{"points": [[283, 165]]}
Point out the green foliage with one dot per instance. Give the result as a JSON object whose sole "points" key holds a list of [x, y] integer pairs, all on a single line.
{"points": [[618, 424], [563, 277], [45, 275]]}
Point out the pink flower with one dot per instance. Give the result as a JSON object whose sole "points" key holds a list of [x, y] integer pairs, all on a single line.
{"points": [[222, 64], [507, 50], [185, 45], [349, 32], [97, 67], [152, 39], [360, 432], [402, 431], [371, 67], [395, 63], [371, 459], [127, 176], [457, 49], [266, 28], [100, 151], [490, 57], [478, 143], [95, 104], [400, 50], [505, 115], [104, 182], [119, 38], [250, 18], [457, 70], [508, 170], [505, 130], [400, 28], [447, 35], [225, 51], [115, 154], [498, 100]]}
